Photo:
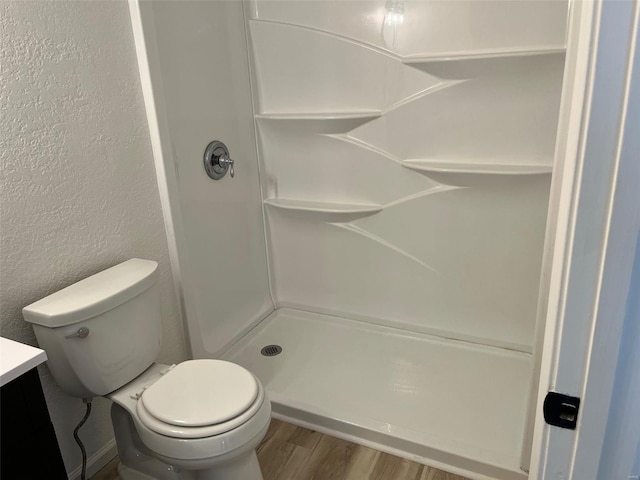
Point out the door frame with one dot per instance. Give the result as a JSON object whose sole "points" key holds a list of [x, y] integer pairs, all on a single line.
{"points": [[597, 225]]}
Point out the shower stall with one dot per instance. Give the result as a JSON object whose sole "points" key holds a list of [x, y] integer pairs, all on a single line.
{"points": [[386, 226]]}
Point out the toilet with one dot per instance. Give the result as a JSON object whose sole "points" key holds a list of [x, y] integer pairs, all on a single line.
{"points": [[197, 420]]}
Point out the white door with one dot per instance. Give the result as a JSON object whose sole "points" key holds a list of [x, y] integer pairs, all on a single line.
{"points": [[597, 232]]}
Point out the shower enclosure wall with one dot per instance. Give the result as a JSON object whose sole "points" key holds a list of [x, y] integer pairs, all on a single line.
{"points": [[386, 223]]}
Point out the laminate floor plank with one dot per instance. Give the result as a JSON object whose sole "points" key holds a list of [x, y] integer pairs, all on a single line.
{"points": [[295, 464], [274, 455], [305, 437], [330, 460], [363, 463], [389, 467], [109, 471], [289, 452], [429, 473]]}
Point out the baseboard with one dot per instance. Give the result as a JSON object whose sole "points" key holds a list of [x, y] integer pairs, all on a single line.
{"points": [[96, 461]]}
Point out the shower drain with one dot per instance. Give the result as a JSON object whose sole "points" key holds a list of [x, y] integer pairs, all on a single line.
{"points": [[271, 350]]}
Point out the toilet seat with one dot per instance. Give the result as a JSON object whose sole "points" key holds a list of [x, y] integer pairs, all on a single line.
{"points": [[195, 451], [200, 398]]}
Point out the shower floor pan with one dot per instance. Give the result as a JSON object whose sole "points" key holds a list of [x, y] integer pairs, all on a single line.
{"points": [[445, 403]]}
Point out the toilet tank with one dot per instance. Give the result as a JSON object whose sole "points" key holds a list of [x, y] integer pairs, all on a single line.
{"points": [[103, 331]]}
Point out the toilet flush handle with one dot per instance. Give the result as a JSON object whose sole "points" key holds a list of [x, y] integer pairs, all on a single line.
{"points": [[83, 332]]}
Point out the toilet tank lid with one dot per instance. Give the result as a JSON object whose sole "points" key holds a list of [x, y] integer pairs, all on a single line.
{"points": [[93, 295]]}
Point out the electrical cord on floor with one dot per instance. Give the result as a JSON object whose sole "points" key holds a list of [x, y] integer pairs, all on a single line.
{"points": [[83, 475]]}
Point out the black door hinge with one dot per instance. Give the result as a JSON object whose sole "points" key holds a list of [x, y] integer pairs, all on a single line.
{"points": [[561, 410]]}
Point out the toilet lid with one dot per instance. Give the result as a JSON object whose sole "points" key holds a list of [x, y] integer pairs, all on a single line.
{"points": [[197, 393]]}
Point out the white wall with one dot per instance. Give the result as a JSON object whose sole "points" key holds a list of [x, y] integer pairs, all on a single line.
{"points": [[78, 191], [620, 456], [622, 441]]}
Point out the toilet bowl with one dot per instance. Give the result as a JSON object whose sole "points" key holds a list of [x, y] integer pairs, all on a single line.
{"points": [[197, 420], [206, 432]]}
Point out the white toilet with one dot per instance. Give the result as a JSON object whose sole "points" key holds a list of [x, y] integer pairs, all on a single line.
{"points": [[200, 419]]}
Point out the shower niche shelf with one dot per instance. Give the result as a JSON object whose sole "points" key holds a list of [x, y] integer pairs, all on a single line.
{"points": [[483, 55], [330, 210], [474, 168]]}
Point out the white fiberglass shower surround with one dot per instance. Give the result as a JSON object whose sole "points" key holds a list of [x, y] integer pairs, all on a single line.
{"points": [[386, 223]]}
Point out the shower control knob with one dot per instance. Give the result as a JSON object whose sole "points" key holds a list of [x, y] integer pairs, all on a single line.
{"points": [[217, 160]]}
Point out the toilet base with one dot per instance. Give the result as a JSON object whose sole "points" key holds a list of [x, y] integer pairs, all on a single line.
{"points": [[245, 468], [138, 463]]}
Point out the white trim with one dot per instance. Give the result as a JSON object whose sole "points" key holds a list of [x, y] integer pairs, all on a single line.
{"points": [[97, 461], [582, 19], [562, 184], [152, 91]]}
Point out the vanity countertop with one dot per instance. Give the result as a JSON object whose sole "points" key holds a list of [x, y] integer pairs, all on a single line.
{"points": [[17, 358]]}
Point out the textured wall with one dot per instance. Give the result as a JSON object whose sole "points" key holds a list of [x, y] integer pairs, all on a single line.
{"points": [[77, 186]]}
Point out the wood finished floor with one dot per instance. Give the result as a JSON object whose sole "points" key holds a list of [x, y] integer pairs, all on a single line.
{"points": [[289, 452]]}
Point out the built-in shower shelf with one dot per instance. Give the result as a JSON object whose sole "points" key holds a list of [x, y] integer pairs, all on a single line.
{"points": [[322, 116], [323, 207], [483, 54], [439, 166], [322, 122]]}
